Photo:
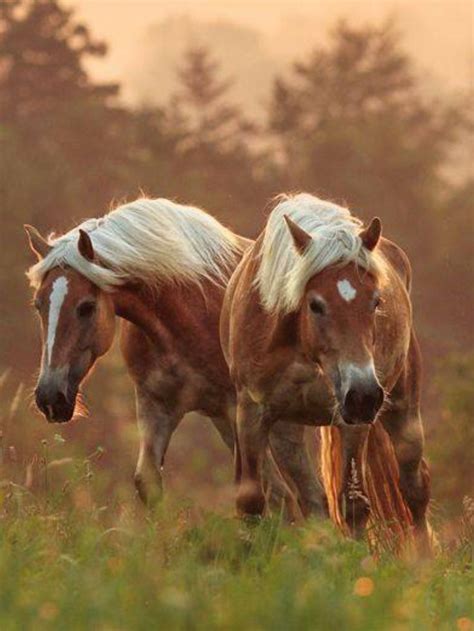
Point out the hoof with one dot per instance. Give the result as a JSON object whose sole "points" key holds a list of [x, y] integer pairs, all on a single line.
{"points": [[250, 503], [140, 487], [150, 492]]}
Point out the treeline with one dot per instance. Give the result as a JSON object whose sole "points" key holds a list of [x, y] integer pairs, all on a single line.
{"points": [[351, 122]]}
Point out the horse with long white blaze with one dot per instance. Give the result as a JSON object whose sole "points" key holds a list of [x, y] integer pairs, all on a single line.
{"points": [[316, 328], [162, 268]]}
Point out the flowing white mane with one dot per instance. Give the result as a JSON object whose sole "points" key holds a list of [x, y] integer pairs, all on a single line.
{"points": [[283, 273], [148, 240]]}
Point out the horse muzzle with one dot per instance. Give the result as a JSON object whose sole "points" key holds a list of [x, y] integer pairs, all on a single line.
{"points": [[362, 404], [56, 406]]}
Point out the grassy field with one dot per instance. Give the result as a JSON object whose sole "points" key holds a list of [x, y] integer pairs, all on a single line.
{"points": [[69, 560]]}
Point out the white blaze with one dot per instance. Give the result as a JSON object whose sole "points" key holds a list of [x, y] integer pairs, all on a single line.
{"points": [[56, 300], [346, 290]]}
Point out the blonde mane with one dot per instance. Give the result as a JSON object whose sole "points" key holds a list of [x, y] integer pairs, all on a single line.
{"points": [[147, 240], [283, 273]]}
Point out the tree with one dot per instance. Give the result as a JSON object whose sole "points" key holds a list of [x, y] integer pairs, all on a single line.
{"points": [[58, 115], [210, 123], [62, 140], [42, 54], [352, 124], [214, 151]]}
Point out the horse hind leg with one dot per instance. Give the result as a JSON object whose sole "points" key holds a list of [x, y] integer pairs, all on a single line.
{"points": [[402, 421], [156, 426], [408, 441]]}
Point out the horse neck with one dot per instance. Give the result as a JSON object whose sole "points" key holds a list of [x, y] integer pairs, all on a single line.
{"points": [[178, 315], [138, 306]]}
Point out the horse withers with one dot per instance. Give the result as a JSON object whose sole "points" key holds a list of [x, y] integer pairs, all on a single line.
{"points": [[317, 329], [162, 268]]}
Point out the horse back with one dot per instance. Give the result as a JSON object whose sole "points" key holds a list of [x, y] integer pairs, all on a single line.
{"points": [[398, 260]]}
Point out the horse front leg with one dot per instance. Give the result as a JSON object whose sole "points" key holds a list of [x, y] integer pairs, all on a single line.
{"points": [[278, 495], [287, 442], [252, 429], [354, 504], [156, 426]]}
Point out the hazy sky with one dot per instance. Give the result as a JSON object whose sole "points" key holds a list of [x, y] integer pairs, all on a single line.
{"points": [[439, 34]]}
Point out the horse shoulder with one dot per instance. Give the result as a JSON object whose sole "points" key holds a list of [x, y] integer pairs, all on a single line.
{"points": [[240, 301], [137, 350]]}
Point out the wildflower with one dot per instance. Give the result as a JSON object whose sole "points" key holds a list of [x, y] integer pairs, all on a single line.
{"points": [[464, 624], [48, 611], [364, 586]]}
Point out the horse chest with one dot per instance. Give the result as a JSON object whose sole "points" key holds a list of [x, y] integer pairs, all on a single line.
{"points": [[301, 395], [184, 388]]}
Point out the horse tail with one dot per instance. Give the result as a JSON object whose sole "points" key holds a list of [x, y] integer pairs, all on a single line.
{"points": [[390, 524], [331, 461]]}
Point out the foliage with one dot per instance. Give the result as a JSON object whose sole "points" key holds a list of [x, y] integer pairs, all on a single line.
{"points": [[352, 123], [42, 57], [452, 438], [61, 139], [75, 562], [214, 151]]}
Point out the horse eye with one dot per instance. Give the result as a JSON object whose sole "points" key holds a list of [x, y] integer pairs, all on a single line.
{"points": [[317, 306], [86, 309], [37, 304], [377, 302]]}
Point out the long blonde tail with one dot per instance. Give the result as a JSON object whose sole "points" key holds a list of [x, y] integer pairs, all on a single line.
{"points": [[332, 472], [390, 523]]}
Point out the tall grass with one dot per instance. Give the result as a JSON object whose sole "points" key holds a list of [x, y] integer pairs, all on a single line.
{"points": [[74, 555], [75, 558]]}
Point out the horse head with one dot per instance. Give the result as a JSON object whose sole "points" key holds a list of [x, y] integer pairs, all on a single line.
{"points": [[77, 323], [337, 327]]}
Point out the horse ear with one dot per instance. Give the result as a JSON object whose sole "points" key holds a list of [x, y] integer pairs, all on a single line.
{"points": [[85, 245], [301, 239], [38, 244], [370, 236]]}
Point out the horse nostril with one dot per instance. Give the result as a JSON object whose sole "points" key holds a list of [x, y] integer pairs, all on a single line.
{"points": [[352, 402], [60, 399], [41, 399], [362, 406]]}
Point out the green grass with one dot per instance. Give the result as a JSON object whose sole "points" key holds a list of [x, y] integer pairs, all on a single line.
{"points": [[67, 561]]}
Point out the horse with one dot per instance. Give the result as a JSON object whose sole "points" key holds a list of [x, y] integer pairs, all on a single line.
{"points": [[161, 267], [316, 328]]}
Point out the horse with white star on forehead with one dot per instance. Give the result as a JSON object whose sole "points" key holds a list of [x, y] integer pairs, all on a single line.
{"points": [[317, 329]]}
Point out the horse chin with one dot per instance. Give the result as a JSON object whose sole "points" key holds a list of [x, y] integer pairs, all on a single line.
{"points": [[353, 421]]}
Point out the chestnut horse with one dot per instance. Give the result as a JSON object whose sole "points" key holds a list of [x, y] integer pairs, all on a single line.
{"points": [[316, 328], [162, 268]]}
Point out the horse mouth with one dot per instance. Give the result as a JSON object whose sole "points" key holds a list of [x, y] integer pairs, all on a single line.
{"points": [[58, 414], [350, 420]]}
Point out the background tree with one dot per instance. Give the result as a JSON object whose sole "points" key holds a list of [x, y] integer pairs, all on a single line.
{"points": [[352, 124], [451, 439], [62, 141], [42, 58], [215, 153]]}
